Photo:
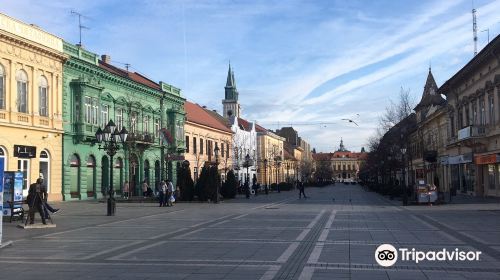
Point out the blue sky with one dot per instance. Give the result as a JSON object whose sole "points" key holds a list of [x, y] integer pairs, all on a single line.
{"points": [[294, 61]]}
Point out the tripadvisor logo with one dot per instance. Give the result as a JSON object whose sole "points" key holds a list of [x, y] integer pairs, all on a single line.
{"points": [[387, 255]]}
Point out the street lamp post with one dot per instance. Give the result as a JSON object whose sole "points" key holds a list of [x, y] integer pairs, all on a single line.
{"points": [[111, 138], [265, 176], [278, 165], [247, 164], [403, 184], [216, 152]]}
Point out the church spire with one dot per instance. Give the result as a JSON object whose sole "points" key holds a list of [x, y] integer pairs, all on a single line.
{"points": [[230, 77], [430, 87], [230, 102]]}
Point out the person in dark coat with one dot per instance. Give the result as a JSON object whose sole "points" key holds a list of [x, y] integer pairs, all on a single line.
{"points": [[301, 189], [37, 195]]}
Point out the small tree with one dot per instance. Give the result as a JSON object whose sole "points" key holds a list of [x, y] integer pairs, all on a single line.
{"points": [[202, 183], [185, 182], [230, 187]]}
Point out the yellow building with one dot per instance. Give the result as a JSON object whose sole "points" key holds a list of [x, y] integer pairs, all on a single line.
{"points": [[205, 130], [31, 65], [271, 155]]}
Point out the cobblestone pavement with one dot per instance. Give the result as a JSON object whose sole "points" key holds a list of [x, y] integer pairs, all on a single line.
{"points": [[331, 235]]}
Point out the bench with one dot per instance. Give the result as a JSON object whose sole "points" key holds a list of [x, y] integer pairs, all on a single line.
{"points": [[16, 209]]}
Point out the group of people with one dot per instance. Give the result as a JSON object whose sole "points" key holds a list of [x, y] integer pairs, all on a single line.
{"points": [[166, 193], [37, 201], [165, 190]]}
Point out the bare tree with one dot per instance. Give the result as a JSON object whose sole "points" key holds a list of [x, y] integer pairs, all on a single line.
{"points": [[397, 110]]}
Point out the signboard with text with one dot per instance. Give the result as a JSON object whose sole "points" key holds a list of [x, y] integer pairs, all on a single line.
{"points": [[13, 189], [24, 151]]}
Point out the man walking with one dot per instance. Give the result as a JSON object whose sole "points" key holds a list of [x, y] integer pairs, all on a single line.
{"points": [[301, 189]]}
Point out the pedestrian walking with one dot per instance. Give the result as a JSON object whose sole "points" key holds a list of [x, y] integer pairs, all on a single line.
{"points": [[170, 193], [37, 195], [145, 188], [126, 190], [301, 189], [162, 193]]}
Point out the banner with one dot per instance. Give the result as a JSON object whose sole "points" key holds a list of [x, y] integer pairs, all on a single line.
{"points": [[12, 189]]}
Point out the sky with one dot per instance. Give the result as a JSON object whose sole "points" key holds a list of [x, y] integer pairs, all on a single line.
{"points": [[306, 63]]}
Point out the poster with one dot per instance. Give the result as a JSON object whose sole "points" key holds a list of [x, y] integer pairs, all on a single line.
{"points": [[13, 189]]}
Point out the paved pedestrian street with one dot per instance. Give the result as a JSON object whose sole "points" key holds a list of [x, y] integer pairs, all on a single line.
{"points": [[331, 235]]}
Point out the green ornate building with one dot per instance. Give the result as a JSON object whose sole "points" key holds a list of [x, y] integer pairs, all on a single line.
{"points": [[94, 91]]}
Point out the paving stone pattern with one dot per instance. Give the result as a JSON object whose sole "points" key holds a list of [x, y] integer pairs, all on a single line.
{"points": [[331, 235]]}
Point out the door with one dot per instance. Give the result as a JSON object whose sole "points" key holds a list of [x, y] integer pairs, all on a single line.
{"points": [[45, 169], [23, 165]]}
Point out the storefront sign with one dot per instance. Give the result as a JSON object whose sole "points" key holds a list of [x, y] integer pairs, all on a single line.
{"points": [[487, 159], [24, 151], [465, 158]]}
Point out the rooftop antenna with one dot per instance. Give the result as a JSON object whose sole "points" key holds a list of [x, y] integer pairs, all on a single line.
{"points": [[80, 26], [474, 28]]}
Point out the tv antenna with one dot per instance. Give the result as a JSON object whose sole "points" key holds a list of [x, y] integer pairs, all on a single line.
{"points": [[474, 28], [80, 26]]}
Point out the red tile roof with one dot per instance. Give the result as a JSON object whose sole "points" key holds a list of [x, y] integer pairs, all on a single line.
{"points": [[322, 156], [196, 114], [134, 76], [259, 128], [246, 124]]}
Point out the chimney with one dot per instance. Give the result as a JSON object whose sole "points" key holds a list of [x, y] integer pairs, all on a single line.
{"points": [[106, 58]]}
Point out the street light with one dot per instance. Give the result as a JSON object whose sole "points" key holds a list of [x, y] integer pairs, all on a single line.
{"points": [[216, 152], [265, 175], [111, 139], [403, 185], [247, 164], [278, 165]]}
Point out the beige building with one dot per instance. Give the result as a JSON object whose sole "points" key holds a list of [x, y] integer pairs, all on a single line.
{"points": [[271, 154], [31, 65], [473, 115], [204, 132]]}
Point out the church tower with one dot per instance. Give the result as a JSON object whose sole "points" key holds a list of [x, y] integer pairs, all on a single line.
{"points": [[231, 107]]}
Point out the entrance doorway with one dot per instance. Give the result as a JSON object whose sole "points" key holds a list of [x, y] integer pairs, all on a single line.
{"points": [[45, 168], [134, 174]]}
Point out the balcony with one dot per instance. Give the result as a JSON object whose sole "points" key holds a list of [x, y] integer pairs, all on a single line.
{"points": [[141, 138], [469, 136], [472, 131]]}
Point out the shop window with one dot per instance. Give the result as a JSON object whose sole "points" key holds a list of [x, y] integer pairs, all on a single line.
{"points": [[491, 176]]}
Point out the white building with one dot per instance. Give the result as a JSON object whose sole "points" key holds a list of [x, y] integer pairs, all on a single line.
{"points": [[244, 156]]}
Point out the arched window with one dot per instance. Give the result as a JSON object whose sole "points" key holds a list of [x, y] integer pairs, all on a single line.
{"points": [[74, 161], [43, 97], [2, 88], [91, 161], [22, 91]]}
